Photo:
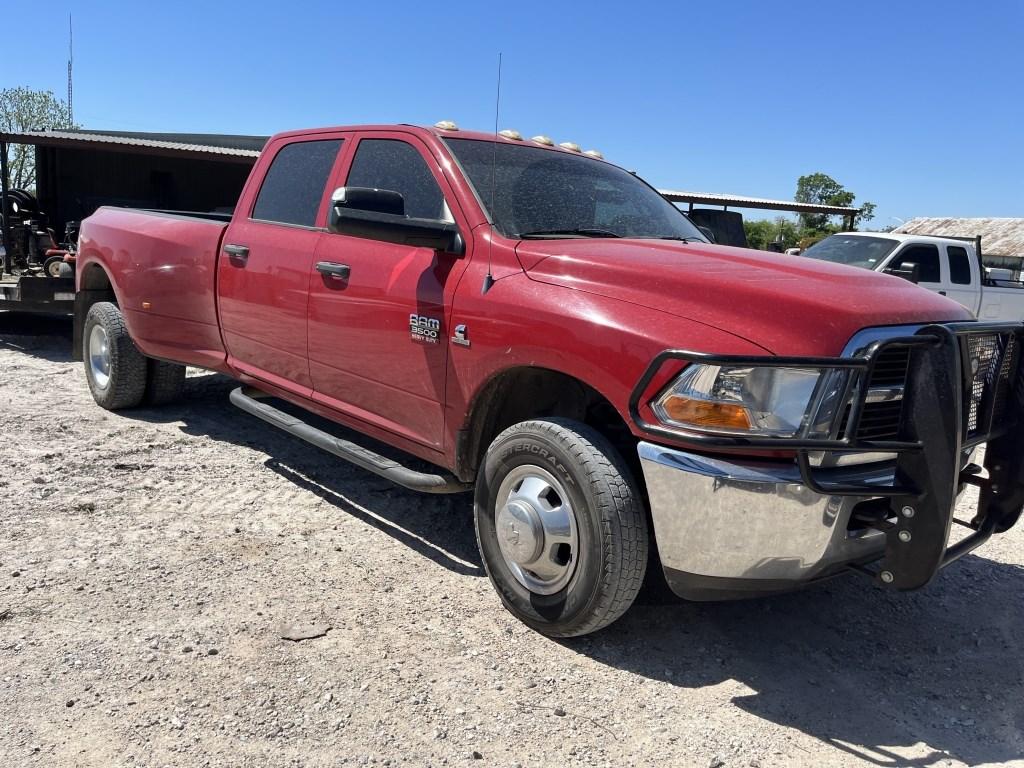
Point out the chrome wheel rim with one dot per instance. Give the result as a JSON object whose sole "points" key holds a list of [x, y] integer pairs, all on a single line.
{"points": [[99, 356], [536, 529]]}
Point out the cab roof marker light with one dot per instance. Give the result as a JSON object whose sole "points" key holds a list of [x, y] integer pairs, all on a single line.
{"points": [[446, 125], [545, 140], [594, 153], [572, 146], [508, 133]]}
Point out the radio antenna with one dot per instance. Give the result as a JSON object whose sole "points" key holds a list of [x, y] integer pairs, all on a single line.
{"points": [[71, 60], [489, 279]]}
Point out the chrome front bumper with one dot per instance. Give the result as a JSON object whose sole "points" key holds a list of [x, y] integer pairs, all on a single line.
{"points": [[737, 528]]}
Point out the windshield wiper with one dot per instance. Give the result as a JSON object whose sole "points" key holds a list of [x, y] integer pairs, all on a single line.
{"points": [[681, 239], [581, 232]]}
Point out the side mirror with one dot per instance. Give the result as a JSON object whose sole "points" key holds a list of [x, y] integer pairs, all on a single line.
{"points": [[379, 214], [708, 234], [908, 271], [367, 199]]}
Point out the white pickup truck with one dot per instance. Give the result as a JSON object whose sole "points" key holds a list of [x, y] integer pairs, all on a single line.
{"points": [[945, 265]]}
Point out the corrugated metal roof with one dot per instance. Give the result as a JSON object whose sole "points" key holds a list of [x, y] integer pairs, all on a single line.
{"points": [[228, 140], [714, 198], [999, 237], [239, 147]]}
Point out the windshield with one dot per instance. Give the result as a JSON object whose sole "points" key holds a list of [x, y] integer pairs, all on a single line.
{"points": [[854, 251], [544, 194]]}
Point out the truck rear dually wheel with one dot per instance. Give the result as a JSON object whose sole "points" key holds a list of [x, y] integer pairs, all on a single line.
{"points": [[164, 382], [560, 525], [114, 367]]}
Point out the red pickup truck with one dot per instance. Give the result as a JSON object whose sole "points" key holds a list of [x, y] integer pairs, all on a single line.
{"points": [[537, 324]]}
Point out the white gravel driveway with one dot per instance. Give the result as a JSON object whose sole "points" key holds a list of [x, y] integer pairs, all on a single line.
{"points": [[149, 559]]}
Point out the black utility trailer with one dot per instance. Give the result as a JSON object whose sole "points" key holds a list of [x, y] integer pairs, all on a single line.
{"points": [[77, 172], [29, 287], [35, 293]]}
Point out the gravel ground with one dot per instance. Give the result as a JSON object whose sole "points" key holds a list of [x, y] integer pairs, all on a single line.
{"points": [[149, 560]]}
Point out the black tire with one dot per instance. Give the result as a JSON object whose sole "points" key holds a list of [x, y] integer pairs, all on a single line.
{"points": [[52, 266], [125, 382], [165, 382], [610, 519]]}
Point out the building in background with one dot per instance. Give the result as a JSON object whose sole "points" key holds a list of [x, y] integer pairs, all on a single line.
{"points": [[78, 171]]}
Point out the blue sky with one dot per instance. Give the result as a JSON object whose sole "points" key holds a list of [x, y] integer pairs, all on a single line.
{"points": [[918, 107]]}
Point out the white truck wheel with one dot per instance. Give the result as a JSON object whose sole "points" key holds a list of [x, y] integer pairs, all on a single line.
{"points": [[560, 525]]}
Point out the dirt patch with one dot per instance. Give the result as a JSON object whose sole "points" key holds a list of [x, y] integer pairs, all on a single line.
{"points": [[148, 562]]}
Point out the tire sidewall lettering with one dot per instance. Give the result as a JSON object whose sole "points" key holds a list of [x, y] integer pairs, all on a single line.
{"points": [[542, 454]]}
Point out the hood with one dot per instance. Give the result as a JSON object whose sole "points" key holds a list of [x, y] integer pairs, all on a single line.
{"points": [[790, 305]]}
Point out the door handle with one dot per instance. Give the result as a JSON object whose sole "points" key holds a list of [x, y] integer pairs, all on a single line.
{"points": [[237, 252], [942, 293], [333, 269]]}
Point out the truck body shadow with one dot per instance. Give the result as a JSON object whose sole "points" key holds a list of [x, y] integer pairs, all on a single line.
{"points": [[437, 527]]}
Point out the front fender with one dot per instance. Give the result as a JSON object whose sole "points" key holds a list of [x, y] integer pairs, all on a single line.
{"points": [[604, 343]]}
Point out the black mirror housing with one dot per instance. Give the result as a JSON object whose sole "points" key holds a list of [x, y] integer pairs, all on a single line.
{"points": [[908, 271], [368, 199], [379, 214]]}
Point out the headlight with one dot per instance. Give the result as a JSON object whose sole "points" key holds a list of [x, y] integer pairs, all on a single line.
{"points": [[755, 400]]}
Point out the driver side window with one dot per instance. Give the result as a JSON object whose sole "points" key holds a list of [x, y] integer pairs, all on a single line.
{"points": [[925, 256], [398, 166]]}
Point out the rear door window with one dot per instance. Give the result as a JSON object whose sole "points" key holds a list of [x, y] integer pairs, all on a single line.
{"points": [[294, 185], [959, 265], [398, 166], [925, 256]]}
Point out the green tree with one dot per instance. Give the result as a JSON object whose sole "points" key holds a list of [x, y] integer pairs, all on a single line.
{"points": [[758, 233], [22, 109], [822, 189], [761, 232]]}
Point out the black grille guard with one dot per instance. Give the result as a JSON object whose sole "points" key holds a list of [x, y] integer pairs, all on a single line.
{"points": [[934, 433]]}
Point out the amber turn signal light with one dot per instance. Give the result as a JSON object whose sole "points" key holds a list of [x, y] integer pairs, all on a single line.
{"points": [[702, 413]]}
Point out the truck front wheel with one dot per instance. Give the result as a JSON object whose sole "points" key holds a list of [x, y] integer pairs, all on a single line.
{"points": [[114, 367], [560, 525]]}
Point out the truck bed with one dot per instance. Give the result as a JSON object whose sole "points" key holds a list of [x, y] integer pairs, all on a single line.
{"points": [[1001, 300], [167, 265]]}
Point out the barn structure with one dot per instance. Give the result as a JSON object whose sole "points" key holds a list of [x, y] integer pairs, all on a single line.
{"points": [[78, 171], [727, 225]]}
